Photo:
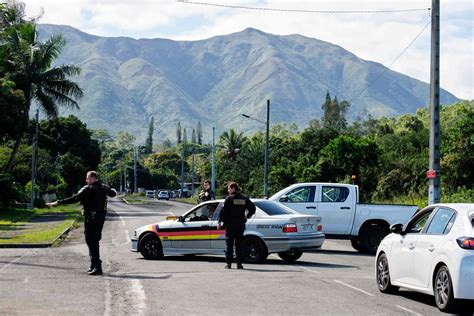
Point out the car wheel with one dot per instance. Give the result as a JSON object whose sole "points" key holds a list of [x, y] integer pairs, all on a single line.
{"points": [[370, 238], [443, 290], [290, 256], [254, 250], [355, 244], [150, 247], [383, 275]]}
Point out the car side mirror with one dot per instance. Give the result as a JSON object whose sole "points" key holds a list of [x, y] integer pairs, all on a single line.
{"points": [[284, 198], [181, 219], [397, 229]]}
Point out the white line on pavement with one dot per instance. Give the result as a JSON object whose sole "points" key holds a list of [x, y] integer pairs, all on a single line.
{"points": [[10, 263], [121, 218], [407, 310], [139, 297], [354, 288], [127, 236], [108, 299], [310, 270]]}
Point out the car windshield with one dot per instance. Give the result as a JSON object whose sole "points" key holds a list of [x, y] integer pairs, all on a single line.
{"points": [[272, 208]]}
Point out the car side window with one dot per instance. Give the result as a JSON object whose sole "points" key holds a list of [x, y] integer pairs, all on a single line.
{"points": [[203, 213], [416, 226], [301, 195], [442, 222], [334, 194]]}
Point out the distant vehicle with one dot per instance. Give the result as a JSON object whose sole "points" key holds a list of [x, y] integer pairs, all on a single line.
{"points": [[342, 215], [150, 194], [273, 229], [432, 254], [163, 195]]}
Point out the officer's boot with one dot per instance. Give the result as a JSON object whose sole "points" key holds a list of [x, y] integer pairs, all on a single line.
{"points": [[239, 265], [90, 268], [97, 268]]}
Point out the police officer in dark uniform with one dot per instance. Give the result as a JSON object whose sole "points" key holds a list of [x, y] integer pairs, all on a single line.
{"points": [[233, 218], [206, 194], [93, 198]]}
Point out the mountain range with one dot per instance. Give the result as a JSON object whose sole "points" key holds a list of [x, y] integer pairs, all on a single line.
{"points": [[126, 81]]}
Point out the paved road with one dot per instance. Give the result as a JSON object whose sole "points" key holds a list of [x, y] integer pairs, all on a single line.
{"points": [[336, 280]]}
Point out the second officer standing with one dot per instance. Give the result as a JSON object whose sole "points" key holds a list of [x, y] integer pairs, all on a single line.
{"points": [[234, 218]]}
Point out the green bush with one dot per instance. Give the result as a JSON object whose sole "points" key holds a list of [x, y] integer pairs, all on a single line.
{"points": [[462, 195], [10, 191]]}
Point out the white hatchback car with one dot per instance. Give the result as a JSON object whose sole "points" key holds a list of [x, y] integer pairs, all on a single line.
{"points": [[432, 254]]}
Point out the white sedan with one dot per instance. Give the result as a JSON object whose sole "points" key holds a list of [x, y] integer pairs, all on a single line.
{"points": [[273, 229], [432, 254]]}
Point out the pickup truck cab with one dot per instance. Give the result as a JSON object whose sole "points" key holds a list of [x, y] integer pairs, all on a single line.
{"points": [[342, 215]]}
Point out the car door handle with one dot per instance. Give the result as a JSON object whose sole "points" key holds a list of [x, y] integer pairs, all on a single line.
{"points": [[312, 207], [431, 248], [411, 247], [345, 208]]}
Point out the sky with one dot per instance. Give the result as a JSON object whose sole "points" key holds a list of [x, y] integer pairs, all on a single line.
{"points": [[380, 37]]}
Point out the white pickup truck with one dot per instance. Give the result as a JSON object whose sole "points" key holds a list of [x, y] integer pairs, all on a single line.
{"points": [[342, 215]]}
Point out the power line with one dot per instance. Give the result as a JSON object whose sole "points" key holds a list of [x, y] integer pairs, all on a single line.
{"points": [[393, 62], [302, 10]]}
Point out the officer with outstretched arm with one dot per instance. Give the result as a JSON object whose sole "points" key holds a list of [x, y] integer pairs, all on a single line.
{"points": [[93, 198], [233, 218]]}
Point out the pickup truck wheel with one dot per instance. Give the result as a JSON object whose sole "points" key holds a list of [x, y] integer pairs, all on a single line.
{"points": [[150, 247], [254, 250], [370, 238], [290, 256], [355, 244]]}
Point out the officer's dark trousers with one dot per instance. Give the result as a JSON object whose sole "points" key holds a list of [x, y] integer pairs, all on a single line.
{"points": [[93, 234], [234, 233]]}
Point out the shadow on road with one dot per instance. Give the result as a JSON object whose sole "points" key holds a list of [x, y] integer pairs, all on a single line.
{"points": [[35, 265], [135, 276], [342, 252]]}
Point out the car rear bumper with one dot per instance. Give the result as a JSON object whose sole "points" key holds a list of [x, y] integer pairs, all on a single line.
{"points": [[464, 285], [298, 242]]}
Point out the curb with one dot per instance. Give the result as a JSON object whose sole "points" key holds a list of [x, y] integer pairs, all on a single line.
{"points": [[55, 242]]}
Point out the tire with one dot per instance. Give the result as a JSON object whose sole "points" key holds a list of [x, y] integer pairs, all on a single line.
{"points": [[355, 244], [254, 250], [383, 275], [290, 256], [443, 290], [370, 238], [150, 247]]}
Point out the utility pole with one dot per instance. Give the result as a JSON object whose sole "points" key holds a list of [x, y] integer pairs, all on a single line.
{"points": [[182, 169], [135, 157], [265, 171], [213, 162], [192, 185], [33, 162], [434, 171]]}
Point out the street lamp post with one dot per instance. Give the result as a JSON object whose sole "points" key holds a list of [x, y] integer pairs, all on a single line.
{"points": [[267, 132]]}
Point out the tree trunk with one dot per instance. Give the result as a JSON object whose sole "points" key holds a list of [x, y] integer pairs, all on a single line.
{"points": [[11, 160]]}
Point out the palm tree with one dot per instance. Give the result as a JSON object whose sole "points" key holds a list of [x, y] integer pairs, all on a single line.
{"points": [[28, 62], [231, 142]]}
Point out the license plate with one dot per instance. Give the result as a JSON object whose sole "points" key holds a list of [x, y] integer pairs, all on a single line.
{"points": [[307, 227]]}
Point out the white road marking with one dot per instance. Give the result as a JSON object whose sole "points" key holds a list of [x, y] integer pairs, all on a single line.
{"points": [[308, 269], [408, 310], [127, 236], [123, 222], [26, 280], [108, 298], [10, 263], [139, 297], [354, 288]]}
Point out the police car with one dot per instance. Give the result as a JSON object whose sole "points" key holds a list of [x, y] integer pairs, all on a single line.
{"points": [[274, 228]]}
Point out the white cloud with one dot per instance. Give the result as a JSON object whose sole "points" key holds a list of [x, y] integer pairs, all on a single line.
{"points": [[377, 37]]}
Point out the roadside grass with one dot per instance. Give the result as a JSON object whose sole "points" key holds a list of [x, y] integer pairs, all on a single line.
{"points": [[189, 200], [21, 226], [139, 199]]}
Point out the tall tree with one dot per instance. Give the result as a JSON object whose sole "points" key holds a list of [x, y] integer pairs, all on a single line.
{"points": [[231, 142], [178, 133], [193, 137], [334, 117], [199, 133], [185, 137], [28, 62], [149, 138]]}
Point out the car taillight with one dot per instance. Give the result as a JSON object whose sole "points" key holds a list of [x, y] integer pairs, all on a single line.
{"points": [[319, 228], [290, 228], [466, 242]]}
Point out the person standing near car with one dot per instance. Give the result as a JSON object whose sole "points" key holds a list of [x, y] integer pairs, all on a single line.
{"points": [[93, 198], [233, 218], [206, 194]]}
